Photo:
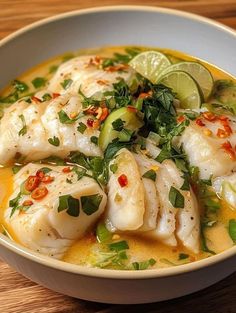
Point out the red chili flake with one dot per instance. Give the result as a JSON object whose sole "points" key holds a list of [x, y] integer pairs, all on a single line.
{"points": [[228, 129], [131, 108], [90, 122], [27, 203], [66, 170], [39, 193], [180, 118], [229, 149], [144, 95], [123, 180], [105, 113], [40, 174], [223, 118], [199, 122], [209, 116], [47, 179], [55, 95], [32, 182], [221, 133], [37, 100]]}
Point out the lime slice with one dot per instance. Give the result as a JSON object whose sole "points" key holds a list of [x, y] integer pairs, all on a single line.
{"points": [[199, 72], [150, 64], [185, 87], [126, 115]]}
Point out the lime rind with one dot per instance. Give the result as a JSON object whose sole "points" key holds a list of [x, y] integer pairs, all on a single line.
{"points": [[198, 72], [185, 87], [150, 64]]}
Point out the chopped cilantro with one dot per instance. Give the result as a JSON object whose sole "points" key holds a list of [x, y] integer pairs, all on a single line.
{"points": [[70, 204], [94, 140], [151, 174], [138, 266], [119, 246], [90, 204], [23, 130], [176, 198], [39, 82], [66, 83], [81, 127], [54, 141], [20, 86], [118, 124]]}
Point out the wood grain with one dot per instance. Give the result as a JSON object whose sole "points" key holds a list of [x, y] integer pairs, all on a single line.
{"points": [[18, 294]]}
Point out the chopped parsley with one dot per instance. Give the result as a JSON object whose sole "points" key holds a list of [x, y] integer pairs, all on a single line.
{"points": [[176, 198], [94, 140], [232, 229], [139, 266], [20, 86], [90, 204], [23, 130], [118, 124], [54, 141], [81, 127], [66, 83], [151, 174], [39, 82], [118, 246], [64, 118], [183, 256], [70, 204], [14, 203]]}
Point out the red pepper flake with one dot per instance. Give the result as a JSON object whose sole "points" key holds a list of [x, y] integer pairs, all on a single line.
{"points": [[40, 174], [180, 118], [66, 170], [123, 180], [209, 116], [27, 203], [131, 108], [55, 95], [37, 100], [144, 95], [104, 115], [199, 122], [229, 149], [90, 122], [32, 183], [39, 193], [47, 179], [221, 133], [116, 68]]}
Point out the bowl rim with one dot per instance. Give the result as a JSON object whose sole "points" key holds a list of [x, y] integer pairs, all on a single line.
{"points": [[107, 273]]}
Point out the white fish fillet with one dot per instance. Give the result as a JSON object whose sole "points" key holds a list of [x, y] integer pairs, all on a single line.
{"points": [[42, 228], [42, 122], [183, 223], [206, 151], [225, 187], [90, 79], [125, 206]]}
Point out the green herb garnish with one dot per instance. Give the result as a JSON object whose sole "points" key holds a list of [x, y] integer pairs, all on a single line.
{"points": [[176, 198], [232, 229], [39, 82], [54, 141], [66, 83], [119, 246], [90, 204], [70, 204], [23, 130], [81, 127], [151, 174]]}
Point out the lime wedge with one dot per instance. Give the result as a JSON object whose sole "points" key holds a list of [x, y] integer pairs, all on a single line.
{"points": [[150, 64], [185, 87], [199, 72], [127, 116]]}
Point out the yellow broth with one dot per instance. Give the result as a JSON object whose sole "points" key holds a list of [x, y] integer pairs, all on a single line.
{"points": [[140, 248]]}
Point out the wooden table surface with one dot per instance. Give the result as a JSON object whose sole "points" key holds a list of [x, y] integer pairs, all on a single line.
{"points": [[18, 294]]}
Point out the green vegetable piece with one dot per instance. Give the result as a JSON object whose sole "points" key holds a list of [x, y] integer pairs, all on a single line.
{"points": [[64, 118], [23, 191], [54, 141], [151, 174], [94, 140], [47, 97], [113, 168], [118, 246], [176, 198], [102, 233], [81, 127], [138, 266], [16, 168], [23, 130], [39, 82], [183, 256], [118, 124], [232, 229], [108, 134], [45, 170], [90, 204], [14, 203], [70, 204], [66, 83], [20, 86]]}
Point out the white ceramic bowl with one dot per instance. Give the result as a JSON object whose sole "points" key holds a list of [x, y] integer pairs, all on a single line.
{"points": [[122, 25]]}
